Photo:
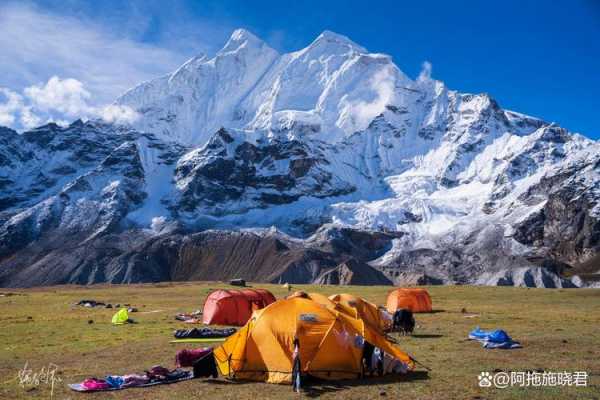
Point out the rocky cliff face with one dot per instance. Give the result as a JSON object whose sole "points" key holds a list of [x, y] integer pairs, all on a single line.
{"points": [[375, 178], [232, 175]]}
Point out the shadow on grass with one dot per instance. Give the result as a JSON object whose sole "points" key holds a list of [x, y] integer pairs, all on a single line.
{"points": [[316, 388], [227, 381], [426, 336], [435, 312]]}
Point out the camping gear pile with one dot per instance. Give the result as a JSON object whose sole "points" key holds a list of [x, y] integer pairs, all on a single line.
{"points": [[496, 339], [93, 304], [191, 318], [234, 307], [187, 357], [154, 376], [202, 360], [204, 333]]}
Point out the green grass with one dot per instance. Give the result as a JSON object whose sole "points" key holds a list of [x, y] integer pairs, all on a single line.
{"points": [[559, 330]]}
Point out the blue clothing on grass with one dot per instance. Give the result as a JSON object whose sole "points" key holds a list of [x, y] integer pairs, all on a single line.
{"points": [[497, 339], [115, 381]]}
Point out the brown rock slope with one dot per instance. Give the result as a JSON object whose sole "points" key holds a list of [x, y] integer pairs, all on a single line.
{"points": [[136, 256]]}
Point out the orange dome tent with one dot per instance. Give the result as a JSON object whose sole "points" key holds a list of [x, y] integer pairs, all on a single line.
{"points": [[234, 307], [330, 344], [413, 299], [377, 318]]}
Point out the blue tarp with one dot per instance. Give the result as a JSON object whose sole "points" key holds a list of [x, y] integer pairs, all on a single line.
{"points": [[496, 339]]}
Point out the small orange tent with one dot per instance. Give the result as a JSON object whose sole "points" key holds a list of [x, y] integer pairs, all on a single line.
{"points": [[330, 343], [414, 299], [234, 307]]}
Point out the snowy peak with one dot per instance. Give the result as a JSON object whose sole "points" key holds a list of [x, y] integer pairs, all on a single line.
{"points": [[204, 94], [241, 38], [333, 83], [334, 43]]}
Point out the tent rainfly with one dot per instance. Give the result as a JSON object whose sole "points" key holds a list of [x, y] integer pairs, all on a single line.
{"points": [[234, 307]]}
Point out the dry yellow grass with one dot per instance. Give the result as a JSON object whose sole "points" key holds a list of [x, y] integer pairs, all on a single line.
{"points": [[559, 330]]}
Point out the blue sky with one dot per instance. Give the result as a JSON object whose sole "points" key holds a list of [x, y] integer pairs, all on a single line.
{"points": [[537, 57]]}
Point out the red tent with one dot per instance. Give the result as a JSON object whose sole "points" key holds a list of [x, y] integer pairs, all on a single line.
{"points": [[234, 307]]}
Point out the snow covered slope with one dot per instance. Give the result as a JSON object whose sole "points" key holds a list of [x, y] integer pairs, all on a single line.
{"points": [[325, 138], [331, 88]]}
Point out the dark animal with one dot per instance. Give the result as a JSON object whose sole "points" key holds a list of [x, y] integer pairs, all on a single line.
{"points": [[403, 322]]}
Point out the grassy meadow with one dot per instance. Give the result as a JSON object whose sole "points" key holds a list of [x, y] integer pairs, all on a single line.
{"points": [[559, 330]]}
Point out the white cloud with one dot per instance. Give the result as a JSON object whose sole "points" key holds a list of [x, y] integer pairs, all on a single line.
{"points": [[37, 45], [381, 89], [425, 73], [67, 96], [29, 119], [6, 119], [100, 60], [118, 114], [101, 49], [54, 100], [12, 104]]}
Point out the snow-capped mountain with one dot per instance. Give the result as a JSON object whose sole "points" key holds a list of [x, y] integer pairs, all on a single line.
{"points": [[326, 144], [331, 89]]}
